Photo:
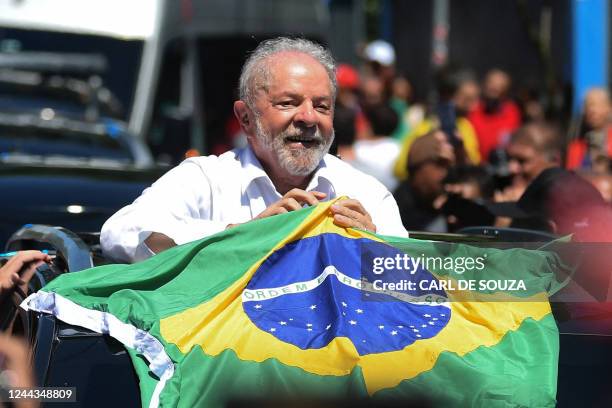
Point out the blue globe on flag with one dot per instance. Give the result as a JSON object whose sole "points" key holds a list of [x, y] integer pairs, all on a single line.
{"points": [[315, 289]]}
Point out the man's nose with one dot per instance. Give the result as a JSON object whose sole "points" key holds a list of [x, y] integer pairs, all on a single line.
{"points": [[305, 115]]}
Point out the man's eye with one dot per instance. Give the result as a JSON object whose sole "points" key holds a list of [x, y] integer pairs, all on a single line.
{"points": [[323, 108], [285, 103]]}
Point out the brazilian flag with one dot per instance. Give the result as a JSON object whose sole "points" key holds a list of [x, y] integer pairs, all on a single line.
{"points": [[280, 308]]}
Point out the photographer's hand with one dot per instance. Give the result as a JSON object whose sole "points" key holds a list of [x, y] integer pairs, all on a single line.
{"points": [[19, 269]]}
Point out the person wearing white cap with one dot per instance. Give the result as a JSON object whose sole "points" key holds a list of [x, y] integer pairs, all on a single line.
{"points": [[380, 62], [381, 52]]}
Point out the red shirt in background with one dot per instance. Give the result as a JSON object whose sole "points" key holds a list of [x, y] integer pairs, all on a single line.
{"points": [[578, 151], [493, 129]]}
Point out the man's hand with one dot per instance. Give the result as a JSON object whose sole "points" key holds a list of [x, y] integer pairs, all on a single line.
{"points": [[158, 242], [25, 262], [350, 213], [292, 201]]}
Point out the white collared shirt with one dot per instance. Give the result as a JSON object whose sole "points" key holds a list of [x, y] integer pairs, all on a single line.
{"points": [[203, 195]]}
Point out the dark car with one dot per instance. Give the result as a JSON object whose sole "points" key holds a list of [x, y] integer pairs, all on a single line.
{"points": [[75, 195], [66, 172]]}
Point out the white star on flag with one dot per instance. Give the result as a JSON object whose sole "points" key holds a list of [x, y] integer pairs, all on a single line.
{"points": [[272, 329], [328, 327], [427, 315], [359, 311], [381, 327], [282, 323], [313, 307], [352, 322], [308, 324], [394, 332], [258, 306]]}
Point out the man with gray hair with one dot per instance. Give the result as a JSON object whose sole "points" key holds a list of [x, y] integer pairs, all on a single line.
{"points": [[286, 106]]}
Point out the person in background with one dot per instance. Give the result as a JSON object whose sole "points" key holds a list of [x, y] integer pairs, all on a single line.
{"points": [[467, 188], [496, 116], [559, 201], [348, 117], [408, 113], [470, 182], [458, 94], [593, 149], [372, 92], [379, 58], [530, 103], [377, 154], [418, 197], [602, 182], [533, 148]]}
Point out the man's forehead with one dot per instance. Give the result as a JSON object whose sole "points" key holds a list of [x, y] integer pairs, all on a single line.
{"points": [[521, 146], [285, 57], [597, 96], [294, 65]]}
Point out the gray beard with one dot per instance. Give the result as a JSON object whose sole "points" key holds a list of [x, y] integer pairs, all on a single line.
{"points": [[296, 162]]}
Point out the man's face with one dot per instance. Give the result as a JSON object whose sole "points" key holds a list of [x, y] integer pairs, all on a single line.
{"points": [[429, 180], [466, 98], [294, 115], [526, 163], [596, 109], [496, 84], [373, 91]]}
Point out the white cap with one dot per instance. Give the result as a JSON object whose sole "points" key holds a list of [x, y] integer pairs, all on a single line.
{"points": [[381, 52]]}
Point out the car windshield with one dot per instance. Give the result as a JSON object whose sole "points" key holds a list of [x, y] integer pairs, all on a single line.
{"points": [[122, 63]]}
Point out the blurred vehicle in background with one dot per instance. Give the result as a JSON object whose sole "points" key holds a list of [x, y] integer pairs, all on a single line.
{"points": [[172, 66], [55, 104], [65, 157]]}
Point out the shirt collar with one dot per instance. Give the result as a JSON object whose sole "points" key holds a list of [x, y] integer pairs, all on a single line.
{"points": [[252, 170], [251, 167], [323, 171]]}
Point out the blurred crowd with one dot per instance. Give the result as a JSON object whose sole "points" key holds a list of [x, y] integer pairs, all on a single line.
{"points": [[474, 154]]}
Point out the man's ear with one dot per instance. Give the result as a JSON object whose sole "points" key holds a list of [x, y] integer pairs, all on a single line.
{"points": [[245, 117]]}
